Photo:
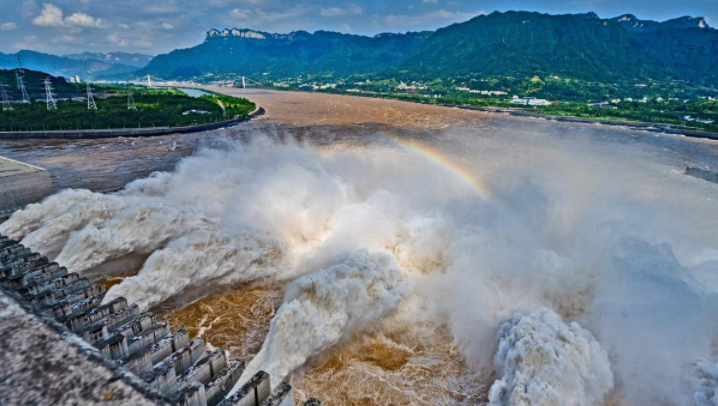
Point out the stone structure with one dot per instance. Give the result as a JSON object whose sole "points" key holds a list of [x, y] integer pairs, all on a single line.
{"points": [[21, 184], [63, 346]]}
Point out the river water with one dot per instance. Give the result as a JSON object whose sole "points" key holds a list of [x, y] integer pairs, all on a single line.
{"points": [[483, 214]]}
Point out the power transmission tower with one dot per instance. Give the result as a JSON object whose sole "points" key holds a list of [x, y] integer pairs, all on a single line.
{"points": [[49, 98], [90, 99], [21, 88], [19, 64], [131, 102], [6, 106]]}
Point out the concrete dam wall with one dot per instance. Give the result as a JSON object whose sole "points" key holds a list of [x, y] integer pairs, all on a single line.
{"points": [[62, 345]]}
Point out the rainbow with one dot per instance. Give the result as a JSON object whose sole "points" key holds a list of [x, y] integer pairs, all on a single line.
{"points": [[445, 162]]}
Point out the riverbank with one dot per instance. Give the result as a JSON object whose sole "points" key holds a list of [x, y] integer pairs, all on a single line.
{"points": [[660, 128], [127, 132]]}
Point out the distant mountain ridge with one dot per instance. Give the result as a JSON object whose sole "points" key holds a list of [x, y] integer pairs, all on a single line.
{"points": [[116, 58], [580, 46], [250, 52], [513, 43], [62, 65], [632, 23]]}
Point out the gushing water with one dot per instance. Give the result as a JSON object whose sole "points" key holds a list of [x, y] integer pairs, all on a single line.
{"points": [[543, 362], [595, 265]]}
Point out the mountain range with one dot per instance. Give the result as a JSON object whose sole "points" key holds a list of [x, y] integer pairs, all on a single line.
{"points": [[116, 58], [86, 65], [513, 43]]}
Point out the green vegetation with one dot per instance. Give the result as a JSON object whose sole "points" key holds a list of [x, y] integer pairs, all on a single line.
{"points": [[653, 102], [665, 112], [647, 70], [514, 44], [155, 108]]}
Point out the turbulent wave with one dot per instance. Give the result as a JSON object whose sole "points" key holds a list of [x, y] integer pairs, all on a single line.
{"points": [[200, 259], [609, 238], [326, 306], [543, 361], [705, 385]]}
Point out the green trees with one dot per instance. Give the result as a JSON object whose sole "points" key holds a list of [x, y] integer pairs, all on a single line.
{"points": [[155, 108]]}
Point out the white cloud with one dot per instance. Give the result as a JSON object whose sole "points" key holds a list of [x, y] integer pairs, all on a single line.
{"points": [[65, 39], [114, 38], [142, 43], [84, 20], [258, 16], [53, 16], [430, 1], [351, 9], [167, 26], [29, 8], [30, 42], [434, 18], [9, 26], [122, 42]]}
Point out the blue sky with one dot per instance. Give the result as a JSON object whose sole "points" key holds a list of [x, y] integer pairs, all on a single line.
{"points": [[159, 26]]}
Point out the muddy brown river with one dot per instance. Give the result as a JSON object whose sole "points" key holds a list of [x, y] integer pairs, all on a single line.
{"points": [[422, 362]]}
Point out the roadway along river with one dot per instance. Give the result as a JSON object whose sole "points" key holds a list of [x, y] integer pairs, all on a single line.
{"points": [[432, 225]]}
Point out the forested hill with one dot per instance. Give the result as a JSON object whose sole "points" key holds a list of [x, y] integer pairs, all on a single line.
{"points": [[521, 44], [61, 65], [34, 84], [252, 53], [579, 45]]}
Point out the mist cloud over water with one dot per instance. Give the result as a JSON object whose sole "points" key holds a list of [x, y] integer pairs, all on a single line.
{"points": [[583, 261], [543, 361]]}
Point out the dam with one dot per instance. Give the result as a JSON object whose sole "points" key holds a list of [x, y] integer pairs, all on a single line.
{"points": [[63, 345], [536, 171]]}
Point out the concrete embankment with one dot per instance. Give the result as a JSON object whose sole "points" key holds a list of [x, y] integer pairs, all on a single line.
{"points": [[127, 132], [64, 344]]}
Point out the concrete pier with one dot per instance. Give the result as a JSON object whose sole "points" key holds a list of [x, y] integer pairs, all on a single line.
{"points": [[62, 346]]}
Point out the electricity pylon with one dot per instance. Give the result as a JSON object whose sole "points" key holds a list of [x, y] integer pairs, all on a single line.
{"points": [[6, 106], [91, 105], [21, 88], [49, 98], [131, 102]]}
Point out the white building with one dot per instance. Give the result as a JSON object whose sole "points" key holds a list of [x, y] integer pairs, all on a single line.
{"points": [[530, 101]]}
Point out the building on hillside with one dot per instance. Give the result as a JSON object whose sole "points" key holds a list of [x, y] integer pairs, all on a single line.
{"points": [[530, 101], [603, 105]]}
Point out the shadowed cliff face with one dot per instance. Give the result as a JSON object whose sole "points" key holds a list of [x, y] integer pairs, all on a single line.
{"points": [[476, 250]]}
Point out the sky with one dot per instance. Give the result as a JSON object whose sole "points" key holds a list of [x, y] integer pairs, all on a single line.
{"points": [[158, 26]]}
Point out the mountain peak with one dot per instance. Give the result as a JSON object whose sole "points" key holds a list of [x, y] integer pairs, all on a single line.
{"points": [[236, 32], [247, 33], [589, 16], [631, 23]]}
